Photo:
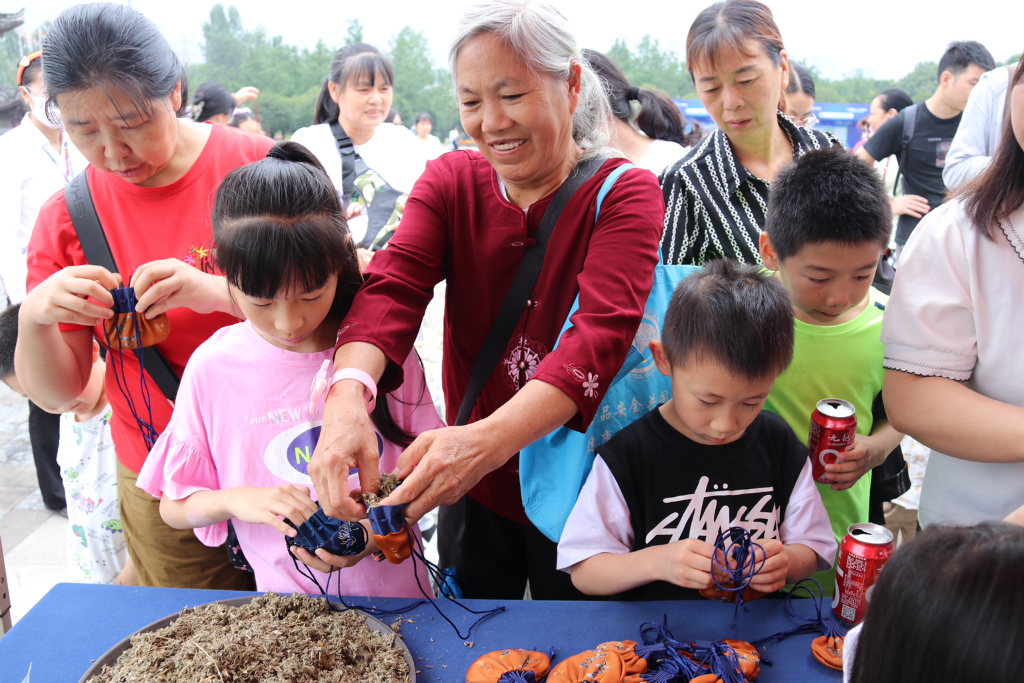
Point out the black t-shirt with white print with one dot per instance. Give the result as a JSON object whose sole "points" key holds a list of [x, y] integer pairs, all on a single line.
{"points": [[676, 488], [921, 172]]}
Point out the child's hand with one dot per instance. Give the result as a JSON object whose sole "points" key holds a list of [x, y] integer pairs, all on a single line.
{"points": [[263, 505], [687, 563], [170, 283], [773, 574], [64, 297], [324, 561], [864, 455]]}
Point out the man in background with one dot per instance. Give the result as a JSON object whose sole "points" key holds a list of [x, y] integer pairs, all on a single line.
{"points": [[922, 144]]}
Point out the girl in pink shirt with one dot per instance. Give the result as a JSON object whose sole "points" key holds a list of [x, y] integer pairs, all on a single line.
{"points": [[242, 434]]}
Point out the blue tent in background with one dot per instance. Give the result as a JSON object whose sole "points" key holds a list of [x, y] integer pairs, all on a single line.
{"points": [[839, 119]]}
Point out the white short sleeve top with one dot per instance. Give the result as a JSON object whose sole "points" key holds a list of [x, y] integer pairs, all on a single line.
{"points": [[957, 311]]}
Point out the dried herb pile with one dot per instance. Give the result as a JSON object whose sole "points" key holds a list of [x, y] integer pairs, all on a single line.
{"points": [[274, 638], [388, 482]]}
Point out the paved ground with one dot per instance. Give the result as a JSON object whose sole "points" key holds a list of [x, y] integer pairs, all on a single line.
{"points": [[32, 536]]}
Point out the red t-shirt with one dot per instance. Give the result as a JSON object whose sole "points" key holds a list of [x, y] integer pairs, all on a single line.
{"points": [[143, 224], [457, 226]]}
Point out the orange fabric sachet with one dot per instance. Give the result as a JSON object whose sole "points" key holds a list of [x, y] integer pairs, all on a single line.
{"points": [[591, 666], [829, 651], [493, 666], [626, 649], [129, 329]]}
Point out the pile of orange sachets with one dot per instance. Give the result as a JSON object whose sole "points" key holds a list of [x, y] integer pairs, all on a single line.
{"points": [[721, 661]]}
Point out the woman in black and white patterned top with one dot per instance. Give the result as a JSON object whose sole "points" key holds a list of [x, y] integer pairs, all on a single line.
{"points": [[716, 197]]}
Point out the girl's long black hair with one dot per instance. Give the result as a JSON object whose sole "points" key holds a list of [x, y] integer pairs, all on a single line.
{"points": [[353, 64], [278, 225], [659, 117]]}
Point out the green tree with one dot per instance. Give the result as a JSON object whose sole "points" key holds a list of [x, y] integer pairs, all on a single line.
{"points": [[648, 66], [14, 45], [355, 32], [288, 78], [419, 87], [920, 83]]}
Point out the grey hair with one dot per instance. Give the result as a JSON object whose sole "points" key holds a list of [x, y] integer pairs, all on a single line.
{"points": [[539, 33]]}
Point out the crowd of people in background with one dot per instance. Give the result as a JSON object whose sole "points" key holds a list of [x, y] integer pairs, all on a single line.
{"points": [[888, 275]]}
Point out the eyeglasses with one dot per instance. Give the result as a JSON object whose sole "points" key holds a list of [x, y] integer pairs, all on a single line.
{"points": [[810, 122]]}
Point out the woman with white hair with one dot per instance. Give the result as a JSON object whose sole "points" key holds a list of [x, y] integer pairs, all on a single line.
{"points": [[536, 112]]}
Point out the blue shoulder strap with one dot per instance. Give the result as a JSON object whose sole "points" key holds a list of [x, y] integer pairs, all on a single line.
{"points": [[608, 182]]}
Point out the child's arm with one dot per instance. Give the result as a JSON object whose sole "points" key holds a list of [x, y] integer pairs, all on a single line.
{"points": [[867, 453], [685, 563], [256, 505]]}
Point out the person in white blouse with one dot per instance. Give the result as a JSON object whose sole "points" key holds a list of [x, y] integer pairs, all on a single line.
{"points": [[38, 160], [357, 96], [430, 144], [952, 333], [646, 126]]}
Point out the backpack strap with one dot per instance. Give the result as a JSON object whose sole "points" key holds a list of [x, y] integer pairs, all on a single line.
{"points": [[608, 182], [522, 287], [347, 150], [909, 124], [94, 243]]}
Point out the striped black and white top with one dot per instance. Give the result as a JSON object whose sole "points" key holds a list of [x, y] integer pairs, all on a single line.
{"points": [[714, 207]]}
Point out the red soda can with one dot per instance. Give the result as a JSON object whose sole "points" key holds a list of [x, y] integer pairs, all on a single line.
{"points": [[864, 551], [833, 428]]}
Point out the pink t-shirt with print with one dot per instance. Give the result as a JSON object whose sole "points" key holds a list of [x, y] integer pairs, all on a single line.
{"points": [[242, 419]]}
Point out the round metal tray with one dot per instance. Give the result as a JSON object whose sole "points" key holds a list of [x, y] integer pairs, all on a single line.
{"points": [[111, 655]]}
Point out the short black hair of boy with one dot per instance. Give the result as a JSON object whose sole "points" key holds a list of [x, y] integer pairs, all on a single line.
{"points": [[8, 339], [827, 195], [738, 317], [962, 53]]}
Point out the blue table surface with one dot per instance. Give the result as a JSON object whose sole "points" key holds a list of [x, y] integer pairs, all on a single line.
{"points": [[75, 624]]}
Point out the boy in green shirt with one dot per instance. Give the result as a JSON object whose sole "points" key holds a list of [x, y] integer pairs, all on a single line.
{"points": [[828, 220]]}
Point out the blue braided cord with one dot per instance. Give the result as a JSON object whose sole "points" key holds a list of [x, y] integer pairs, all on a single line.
{"points": [[741, 550], [308, 573], [149, 434], [435, 572], [653, 654], [822, 623], [152, 435], [723, 661], [518, 676]]}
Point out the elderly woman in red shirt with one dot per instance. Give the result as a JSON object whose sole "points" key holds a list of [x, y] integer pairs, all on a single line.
{"points": [[535, 110]]}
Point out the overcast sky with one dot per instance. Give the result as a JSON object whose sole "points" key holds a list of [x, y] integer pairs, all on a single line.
{"points": [[885, 39]]}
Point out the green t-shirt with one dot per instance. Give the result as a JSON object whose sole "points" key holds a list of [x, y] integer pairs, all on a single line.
{"points": [[835, 361]]}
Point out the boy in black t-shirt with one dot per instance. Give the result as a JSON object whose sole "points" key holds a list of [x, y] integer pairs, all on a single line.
{"points": [[935, 123], [663, 488]]}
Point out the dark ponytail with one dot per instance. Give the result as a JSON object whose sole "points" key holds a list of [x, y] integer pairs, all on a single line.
{"points": [[659, 117], [115, 46], [800, 80], [211, 99], [355, 63], [278, 224]]}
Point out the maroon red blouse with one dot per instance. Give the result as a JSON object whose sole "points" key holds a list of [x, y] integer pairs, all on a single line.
{"points": [[457, 226]]}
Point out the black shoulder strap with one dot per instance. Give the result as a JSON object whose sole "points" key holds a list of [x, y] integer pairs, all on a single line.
{"points": [[522, 287], [97, 252], [347, 150], [909, 124]]}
